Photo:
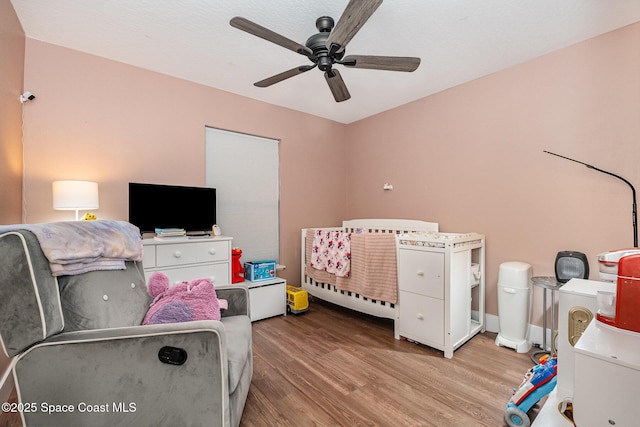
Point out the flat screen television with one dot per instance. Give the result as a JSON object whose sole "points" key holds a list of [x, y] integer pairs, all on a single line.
{"points": [[154, 206]]}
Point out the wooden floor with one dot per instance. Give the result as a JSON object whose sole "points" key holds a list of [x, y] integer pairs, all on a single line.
{"points": [[335, 367]]}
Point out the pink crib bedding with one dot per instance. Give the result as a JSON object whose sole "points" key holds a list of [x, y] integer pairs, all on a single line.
{"points": [[373, 267]]}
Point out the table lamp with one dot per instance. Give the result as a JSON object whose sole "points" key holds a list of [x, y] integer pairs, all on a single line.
{"points": [[75, 195]]}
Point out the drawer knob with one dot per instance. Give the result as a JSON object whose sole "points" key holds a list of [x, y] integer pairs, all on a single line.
{"points": [[213, 279], [177, 254], [212, 251], [420, 316], [420, 273]]}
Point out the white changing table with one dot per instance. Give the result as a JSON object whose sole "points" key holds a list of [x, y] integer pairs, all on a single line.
{"points": [[440, 288]]}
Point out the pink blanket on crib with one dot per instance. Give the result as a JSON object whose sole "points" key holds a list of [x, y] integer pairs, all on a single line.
{"points": [[373, 267]]}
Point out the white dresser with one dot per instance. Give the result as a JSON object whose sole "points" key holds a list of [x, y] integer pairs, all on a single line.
{"points": [[189, 258], [193, 258], [440, 288]]}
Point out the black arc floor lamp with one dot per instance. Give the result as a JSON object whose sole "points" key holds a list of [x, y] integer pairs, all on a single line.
{"points": [[633, 191]]}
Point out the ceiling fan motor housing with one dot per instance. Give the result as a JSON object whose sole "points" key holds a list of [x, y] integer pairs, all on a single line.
{"points": [[318, 44]]}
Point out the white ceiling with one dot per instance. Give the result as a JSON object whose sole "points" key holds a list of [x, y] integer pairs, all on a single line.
{"points": [[457, 40]]}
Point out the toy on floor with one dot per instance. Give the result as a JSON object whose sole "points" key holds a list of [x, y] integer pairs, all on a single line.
{"points": [[237, 270], [537, 383], [297, 300], [182, 302]]}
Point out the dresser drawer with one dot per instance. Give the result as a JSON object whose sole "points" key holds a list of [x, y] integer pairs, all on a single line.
{"points": [[191, 253], [218, 273], [175, 254], [213, 251], [421, 318], [148, 256], [421, 272]]}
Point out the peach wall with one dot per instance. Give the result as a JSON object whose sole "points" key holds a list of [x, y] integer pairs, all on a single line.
{"points": [[471, 158], [12, 42], [105, 121]]}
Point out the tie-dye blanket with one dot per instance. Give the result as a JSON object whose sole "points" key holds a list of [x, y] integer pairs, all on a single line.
{"points": [[78, 247]]}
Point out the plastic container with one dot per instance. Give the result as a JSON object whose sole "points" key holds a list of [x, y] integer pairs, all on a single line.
{"points": [[257, 271], [514, 296]]}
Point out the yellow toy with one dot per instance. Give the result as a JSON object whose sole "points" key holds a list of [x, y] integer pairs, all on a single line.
{"points": [[297, 300], [89, 217]]}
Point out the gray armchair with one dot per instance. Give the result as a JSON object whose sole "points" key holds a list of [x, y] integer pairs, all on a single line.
{"points": [[81, 357]]}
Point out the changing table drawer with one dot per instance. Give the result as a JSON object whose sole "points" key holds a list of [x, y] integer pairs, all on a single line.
{"points": [[421, 272], [421, 318]]}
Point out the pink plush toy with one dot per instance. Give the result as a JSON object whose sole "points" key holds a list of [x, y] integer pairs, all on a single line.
{"points": [[182, 302]]}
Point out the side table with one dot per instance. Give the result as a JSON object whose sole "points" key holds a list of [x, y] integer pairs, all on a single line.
{"points": [[546, 283]]}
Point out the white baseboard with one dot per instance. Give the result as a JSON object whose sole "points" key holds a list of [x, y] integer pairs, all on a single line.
{"points": [[6, 384], [492, 324]]}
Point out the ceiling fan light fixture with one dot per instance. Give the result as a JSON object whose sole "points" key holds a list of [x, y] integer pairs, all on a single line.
{"points": [[325, 63]]}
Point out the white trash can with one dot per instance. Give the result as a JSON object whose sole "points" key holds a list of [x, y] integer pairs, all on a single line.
{"points": [[514, 293]]}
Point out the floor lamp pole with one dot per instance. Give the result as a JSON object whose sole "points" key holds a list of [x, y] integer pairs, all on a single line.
{"points": [[633, 191]]}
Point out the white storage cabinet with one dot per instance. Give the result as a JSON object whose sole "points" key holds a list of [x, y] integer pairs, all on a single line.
{"points": [[268, 298], [440, 288], [607, 374]]}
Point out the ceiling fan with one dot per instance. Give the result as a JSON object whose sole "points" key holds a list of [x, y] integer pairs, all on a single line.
{"points": [[327, 47]]}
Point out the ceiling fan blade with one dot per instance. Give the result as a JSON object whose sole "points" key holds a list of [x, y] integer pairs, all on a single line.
{"points": [[283, 76], [264, 33], [389, 63], [353, 18], [337, 86]]}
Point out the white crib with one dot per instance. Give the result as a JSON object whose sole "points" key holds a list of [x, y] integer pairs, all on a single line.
{"points": [[351, 300]]}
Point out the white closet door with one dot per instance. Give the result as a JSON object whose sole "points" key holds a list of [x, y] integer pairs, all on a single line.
{"points": [[244, 171]]}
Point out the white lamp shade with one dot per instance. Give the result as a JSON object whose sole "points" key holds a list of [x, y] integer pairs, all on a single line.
{"points": [[74, 195]]}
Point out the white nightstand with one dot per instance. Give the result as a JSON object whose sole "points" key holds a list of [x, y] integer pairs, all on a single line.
{"points": [[268, 298]]}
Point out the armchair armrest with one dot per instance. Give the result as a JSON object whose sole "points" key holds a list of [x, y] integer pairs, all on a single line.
{"points": [[237, 297], [115, 377]]}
